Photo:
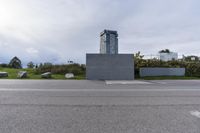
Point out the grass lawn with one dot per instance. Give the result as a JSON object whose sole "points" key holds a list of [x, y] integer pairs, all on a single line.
{"points": [[12, 74]]}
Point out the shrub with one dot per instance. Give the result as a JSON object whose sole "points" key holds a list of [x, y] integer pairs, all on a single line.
{"points": [[192, 67], [4, 65], [76, 69]]}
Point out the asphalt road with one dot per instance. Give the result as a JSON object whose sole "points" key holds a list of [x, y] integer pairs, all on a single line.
{"points": [[72, 106]]}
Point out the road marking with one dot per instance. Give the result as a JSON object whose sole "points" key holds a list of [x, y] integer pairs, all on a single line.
{"points": [[195, 113], [126, 82], [158, 82]]}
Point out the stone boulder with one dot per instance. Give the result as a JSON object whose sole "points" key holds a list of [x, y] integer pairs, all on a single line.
{"points": [[3, 74], [22, 74], [69, 75], [46, 75]]}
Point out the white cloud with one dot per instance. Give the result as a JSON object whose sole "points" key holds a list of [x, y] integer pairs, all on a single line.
{"points": [[62, 30], [32, 51]]}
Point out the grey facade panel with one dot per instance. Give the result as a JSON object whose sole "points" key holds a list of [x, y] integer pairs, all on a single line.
{"points": [[145, 72], [109, 67]]}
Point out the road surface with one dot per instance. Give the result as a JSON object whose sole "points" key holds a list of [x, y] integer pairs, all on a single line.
{"points": [[81, 106]]}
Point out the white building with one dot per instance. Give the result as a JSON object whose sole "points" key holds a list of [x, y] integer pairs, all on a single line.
{"points": [[109, 42], [168, 56]]}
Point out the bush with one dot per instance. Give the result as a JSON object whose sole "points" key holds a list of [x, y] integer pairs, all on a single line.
{"points": [[192, 67], [30, 65], [76, 69], [4, 65]]}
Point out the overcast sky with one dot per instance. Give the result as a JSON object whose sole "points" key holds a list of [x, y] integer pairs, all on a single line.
{"points": [[61, 30]]}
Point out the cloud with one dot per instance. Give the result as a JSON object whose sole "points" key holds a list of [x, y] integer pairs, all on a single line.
{"points": [[32, 51], [61, 30]]}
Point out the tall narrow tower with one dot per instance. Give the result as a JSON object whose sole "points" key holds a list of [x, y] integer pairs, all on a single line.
{"points": [[109, 42]]}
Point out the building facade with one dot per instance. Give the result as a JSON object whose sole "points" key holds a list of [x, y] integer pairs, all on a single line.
{"points": [[109, 42], [109, 65], [168, 56]]}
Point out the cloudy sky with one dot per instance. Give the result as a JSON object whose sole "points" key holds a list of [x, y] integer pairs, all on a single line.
{"points": [[61, 30]]}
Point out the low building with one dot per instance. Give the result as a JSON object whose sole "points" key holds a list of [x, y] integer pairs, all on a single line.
{"points": [[108, 64], [191, 58], [168, 56]]}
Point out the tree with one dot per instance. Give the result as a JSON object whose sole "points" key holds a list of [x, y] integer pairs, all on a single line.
{"points": [[15, 62], [138, 56], [40, 65], [47, 64], [164, 51], [191, 58], [30, 65], [138, 61], [4, 65]]}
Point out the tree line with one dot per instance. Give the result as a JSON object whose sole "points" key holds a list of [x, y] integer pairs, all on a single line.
{"points": [[190, 63], [75, 68]]}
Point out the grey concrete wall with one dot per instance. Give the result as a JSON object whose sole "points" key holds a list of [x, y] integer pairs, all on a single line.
{"points": [[109, 67], [144, 72]]}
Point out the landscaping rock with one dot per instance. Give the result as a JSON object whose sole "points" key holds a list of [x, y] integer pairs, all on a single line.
{"points": [[3, 74], [69, 75], [22, 74], [46, 75]]}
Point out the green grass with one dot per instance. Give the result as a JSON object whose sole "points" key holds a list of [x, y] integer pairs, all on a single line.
{"points": [[170, 78], [12, 74]]}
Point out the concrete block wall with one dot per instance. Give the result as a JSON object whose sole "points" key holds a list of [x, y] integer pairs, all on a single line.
{"points": [[144, 72], [109, 67]]}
